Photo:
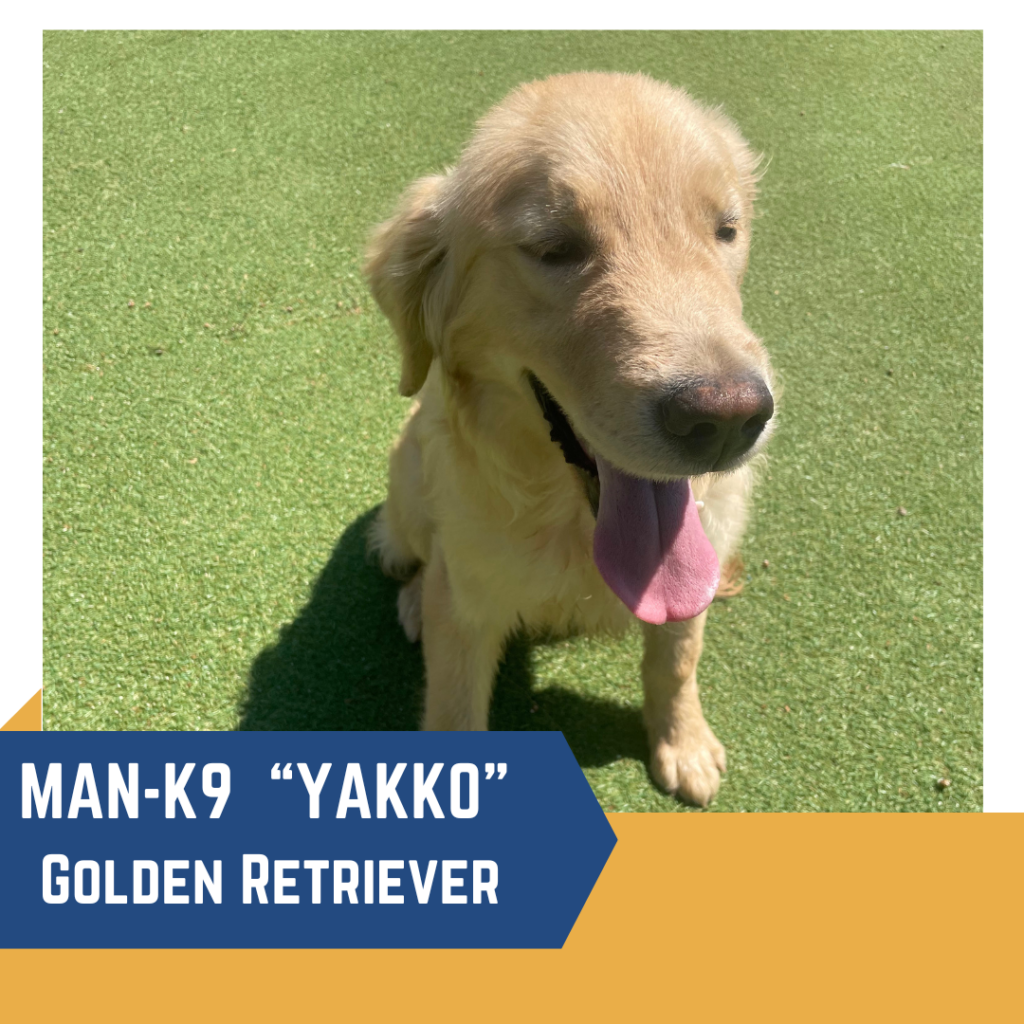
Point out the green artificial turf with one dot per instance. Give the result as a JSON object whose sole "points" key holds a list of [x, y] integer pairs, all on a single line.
{"points": [[220, 395]]}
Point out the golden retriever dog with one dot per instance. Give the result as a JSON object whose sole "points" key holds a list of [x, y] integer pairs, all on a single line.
{"points": [[567, 303]]}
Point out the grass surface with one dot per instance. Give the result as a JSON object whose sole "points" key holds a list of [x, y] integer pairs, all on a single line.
{"points": [[220, 395]]}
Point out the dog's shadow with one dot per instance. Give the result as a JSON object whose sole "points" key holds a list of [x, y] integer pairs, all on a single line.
{"points": [[344, 663]]}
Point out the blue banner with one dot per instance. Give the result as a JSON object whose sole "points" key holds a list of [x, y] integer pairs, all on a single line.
{"points": [[295, 840]]}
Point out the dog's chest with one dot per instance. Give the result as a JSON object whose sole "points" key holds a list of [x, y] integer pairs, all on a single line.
{"points": [[544, 575]]}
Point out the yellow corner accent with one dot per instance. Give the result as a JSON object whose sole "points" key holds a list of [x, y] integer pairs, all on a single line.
{"points": [[29, 718]]}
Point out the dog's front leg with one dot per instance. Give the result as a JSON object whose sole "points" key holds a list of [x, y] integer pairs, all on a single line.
{"points": [[686, 758], [461, 657]]}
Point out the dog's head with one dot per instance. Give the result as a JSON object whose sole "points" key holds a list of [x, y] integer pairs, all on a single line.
{"points": [[591, 242], [595, 233]]}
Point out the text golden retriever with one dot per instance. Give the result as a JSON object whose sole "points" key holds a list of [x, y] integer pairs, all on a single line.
{"points": [[567, 300]]}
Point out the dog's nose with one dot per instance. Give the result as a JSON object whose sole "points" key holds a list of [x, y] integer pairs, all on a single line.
{"points": [[715, 421]]}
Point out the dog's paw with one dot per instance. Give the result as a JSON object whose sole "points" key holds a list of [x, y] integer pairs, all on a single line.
{"points": [[410, 607], [691, 768]]}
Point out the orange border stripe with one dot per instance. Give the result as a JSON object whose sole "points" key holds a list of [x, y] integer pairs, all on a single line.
{"points": [[749, 918]]}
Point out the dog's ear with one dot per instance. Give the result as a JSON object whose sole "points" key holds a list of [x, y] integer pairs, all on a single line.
{"points": [[403, 265]]}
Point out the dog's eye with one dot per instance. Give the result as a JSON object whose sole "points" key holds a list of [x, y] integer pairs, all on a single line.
{"points": [[558, 252], [726, 232]]}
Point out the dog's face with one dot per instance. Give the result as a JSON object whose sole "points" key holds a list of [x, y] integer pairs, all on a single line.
{"points": [[594, 234]]}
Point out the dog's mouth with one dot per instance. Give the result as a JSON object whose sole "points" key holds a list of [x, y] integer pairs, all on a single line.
{"points": [[649, 544], [573, 450]]}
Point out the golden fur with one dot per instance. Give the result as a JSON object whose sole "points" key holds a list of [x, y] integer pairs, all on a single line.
{"points": [[483, 511]]}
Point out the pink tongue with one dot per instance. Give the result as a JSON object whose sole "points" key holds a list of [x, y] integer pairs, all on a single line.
{"points": [[651, 549]]}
